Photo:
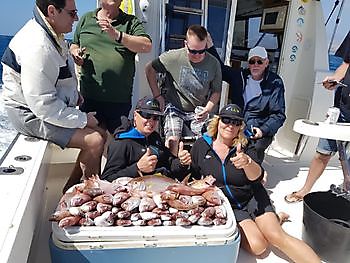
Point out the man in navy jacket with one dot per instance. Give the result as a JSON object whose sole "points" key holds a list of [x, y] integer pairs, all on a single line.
{"points": [[260, 93]]}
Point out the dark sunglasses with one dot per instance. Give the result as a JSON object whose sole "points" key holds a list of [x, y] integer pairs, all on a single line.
{"points": [[71, 13], [253, 61], [195, 51], [148, 116], [234, 122]]}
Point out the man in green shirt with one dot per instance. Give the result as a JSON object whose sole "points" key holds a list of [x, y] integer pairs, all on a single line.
{"points": [[193, 78], [105, 44]]}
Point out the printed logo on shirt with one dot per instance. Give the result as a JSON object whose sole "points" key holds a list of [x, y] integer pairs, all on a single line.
{"points": [[207, 156], [193, 79]]}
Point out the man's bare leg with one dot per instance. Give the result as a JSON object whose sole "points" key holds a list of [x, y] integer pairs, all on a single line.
{"points": [[91, 142], [317, 166], [345, 167]]}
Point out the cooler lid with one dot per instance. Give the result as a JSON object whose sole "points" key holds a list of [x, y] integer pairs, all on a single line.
{"points": [[147, 233]]}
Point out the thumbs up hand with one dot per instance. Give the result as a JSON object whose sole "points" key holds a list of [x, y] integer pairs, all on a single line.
{"points": [[183, 155], [147, 162], [240, 160]]}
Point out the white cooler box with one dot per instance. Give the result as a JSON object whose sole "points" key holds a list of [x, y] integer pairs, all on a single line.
{"points": [[135, 244]]}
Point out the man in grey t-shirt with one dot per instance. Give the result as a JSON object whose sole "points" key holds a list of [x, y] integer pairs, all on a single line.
{"points": [[192, 78]]}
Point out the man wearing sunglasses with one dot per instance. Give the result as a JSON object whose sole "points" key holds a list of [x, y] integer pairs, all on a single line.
{"points": [[192, 78], [138, 149], [259, 92], [40, 87]]}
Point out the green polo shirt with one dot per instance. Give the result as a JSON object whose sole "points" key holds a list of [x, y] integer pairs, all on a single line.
{"points": [[108, 71]]}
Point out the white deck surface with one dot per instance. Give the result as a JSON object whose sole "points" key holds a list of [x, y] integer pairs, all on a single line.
{"points": [[286, 176]]}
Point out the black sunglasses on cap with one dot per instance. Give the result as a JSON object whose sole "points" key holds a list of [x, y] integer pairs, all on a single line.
{"points": [[195, 51], [234, 122], [253, 61], [148, 116]]}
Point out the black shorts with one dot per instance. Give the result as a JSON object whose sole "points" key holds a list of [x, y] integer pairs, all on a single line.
{"points": [[259, 204], [107, 113]]}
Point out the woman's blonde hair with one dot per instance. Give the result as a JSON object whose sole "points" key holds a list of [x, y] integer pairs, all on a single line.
{"points": [[212, 131]]}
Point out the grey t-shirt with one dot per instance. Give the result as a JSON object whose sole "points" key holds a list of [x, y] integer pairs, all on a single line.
{"points": [[188, 84]]}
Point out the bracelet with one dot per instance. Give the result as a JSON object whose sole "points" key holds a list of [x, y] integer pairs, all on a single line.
{"points": [[119, 40], [156, 97]]}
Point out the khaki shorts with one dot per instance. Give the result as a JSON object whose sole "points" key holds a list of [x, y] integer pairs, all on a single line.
{"points": [[25, 122]]}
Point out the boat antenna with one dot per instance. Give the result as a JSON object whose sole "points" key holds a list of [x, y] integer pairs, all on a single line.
{"points": [[336, 24], [331, 13]]}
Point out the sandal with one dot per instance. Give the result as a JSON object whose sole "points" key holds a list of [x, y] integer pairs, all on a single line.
{"points": [[283, 217], [293, 198]]}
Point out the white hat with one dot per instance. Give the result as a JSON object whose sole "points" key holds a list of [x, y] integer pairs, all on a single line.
{"points": [[257, 52]]}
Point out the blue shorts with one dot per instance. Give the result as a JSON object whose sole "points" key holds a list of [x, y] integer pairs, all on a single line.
{"points": [[330, 147], [327, 146]]}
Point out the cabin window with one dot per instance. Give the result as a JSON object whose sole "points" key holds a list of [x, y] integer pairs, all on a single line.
{"points": [[267, 40]]}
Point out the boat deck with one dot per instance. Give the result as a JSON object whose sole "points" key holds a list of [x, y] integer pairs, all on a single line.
{"points": [[286, 176]]}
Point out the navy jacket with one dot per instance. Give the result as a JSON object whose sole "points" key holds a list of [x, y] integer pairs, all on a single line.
{"points": [[267, 112], [129, 146]]}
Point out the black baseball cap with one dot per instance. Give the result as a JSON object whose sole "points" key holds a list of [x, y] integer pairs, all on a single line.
{"points": [[149, 105], [231, 111]]}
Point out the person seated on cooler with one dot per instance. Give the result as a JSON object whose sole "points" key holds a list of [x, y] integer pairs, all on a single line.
{"points": [[259, 92], [192, 78], [225, 153], [138, 149]]}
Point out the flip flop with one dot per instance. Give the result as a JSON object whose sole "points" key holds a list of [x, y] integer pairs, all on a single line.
{"points": [[283, 217], [293, 198]]}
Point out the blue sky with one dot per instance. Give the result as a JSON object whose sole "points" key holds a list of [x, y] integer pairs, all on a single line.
{"points": [[15, 14]]}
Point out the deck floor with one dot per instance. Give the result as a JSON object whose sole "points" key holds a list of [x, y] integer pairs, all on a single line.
{"points": [[286, 176]]}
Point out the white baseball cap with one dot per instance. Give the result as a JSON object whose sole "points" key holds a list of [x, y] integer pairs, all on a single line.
{"points": [[257, 52]]}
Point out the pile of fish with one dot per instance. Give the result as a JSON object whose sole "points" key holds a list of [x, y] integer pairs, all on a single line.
{"points": [[153, 200]]}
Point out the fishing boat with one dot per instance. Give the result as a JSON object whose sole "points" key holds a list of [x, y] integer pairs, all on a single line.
{"points": [[34, 171]]}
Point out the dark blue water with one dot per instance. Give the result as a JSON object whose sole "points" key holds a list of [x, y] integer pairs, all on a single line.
{"points": [[4, 41]]}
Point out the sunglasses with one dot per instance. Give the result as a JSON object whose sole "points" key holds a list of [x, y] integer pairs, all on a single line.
{"points": [[228, 121], [253, 61], [71, 13], [148, 116], [195, 51]]}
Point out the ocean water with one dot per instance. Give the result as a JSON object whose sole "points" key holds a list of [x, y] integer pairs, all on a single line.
{"points": [[7, 132], [4, 41]]}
